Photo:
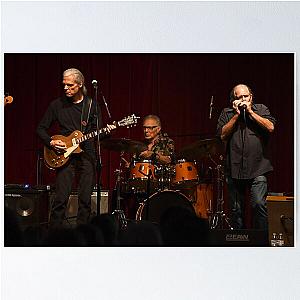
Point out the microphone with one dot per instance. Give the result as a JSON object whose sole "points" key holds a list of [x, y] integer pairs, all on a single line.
{"points": [[211, 106], [95, 83], [244, 106], [243, 110]]}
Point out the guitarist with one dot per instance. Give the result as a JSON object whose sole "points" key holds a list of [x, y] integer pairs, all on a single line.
{"points": [[73, 111]]}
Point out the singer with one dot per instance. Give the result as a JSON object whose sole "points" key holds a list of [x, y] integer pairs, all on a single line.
{"points": [[73, 111], [245, 128]]}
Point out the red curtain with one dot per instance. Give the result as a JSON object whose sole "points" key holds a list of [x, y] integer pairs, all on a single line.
{"points": [[177, 87]]}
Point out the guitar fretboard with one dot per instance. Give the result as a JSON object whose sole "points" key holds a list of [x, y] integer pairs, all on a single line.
{"points": [[91, 135]]}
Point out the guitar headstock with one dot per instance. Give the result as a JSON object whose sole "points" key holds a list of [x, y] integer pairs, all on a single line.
{"points": [[128, 121], [8, 99]]}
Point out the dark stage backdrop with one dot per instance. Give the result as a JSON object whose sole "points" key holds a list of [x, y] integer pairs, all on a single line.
{"points": [[177, 87]]}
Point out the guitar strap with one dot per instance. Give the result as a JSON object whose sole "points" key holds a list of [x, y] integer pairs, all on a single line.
{"points": [[85, 114]]}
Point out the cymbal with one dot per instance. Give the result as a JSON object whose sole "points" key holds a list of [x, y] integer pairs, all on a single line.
{"points": [[200, 149], [126, 145]]}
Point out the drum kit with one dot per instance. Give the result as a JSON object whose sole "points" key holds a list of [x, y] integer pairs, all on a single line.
{"points": [[155, 188]]}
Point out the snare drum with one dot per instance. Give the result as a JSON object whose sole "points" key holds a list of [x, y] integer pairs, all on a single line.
{"points": [[153, 208], [186, 174], [139, 173]]}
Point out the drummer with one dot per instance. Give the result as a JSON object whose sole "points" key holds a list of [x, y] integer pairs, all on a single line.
{"points": [[160, 146], [160, 153]]}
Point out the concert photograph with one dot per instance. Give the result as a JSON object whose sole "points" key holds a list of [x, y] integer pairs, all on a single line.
{"points": [[149, 149]]}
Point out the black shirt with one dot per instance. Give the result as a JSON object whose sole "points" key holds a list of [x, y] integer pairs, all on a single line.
{"points": [[246, 155], [68, 116]]}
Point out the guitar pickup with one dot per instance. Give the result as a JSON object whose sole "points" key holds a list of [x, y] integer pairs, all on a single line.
{"points": [[74, 141]]}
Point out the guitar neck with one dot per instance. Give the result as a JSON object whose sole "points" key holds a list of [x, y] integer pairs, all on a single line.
{"points": [[128, 121], [91, 135]]}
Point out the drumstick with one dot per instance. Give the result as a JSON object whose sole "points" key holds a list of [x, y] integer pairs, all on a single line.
{"points": [[126, 162]]}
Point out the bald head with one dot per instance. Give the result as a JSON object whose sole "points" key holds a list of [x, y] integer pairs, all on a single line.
{"points": [[240, 90]]}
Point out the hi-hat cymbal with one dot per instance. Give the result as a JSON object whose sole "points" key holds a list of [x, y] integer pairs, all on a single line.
{"points": [[200, 149], [126, 145]]}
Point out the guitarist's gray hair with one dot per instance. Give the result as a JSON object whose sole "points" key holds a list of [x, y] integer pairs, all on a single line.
{"points": [[78, 77]]}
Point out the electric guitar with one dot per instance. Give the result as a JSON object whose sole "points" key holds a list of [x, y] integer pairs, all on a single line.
{"points": [[55, 159]]}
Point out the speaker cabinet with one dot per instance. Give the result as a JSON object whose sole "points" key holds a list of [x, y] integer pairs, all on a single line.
{"points": [[281, 217], [72, 206], [30, 207]]}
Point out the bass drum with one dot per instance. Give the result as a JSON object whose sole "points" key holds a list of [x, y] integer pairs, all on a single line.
{"points": [[153, 208], [202, 198]]}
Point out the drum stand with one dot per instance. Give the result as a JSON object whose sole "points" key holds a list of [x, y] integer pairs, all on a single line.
{"points": [[149, 176], [219, 218], [118, 212]]}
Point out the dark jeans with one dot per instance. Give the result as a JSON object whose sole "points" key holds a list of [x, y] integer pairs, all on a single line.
{"points": [[237, 189], [83, 165]]}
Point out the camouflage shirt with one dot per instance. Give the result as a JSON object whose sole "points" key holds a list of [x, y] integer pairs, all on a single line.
{"points": [[163, 145]]}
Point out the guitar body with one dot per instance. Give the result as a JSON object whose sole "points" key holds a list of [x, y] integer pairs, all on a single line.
{"points": [[55, 159]]}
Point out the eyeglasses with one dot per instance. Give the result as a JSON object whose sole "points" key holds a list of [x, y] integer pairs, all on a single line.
{"points": [[149, 127]]}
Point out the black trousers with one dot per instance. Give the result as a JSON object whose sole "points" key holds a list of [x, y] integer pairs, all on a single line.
{"points": [[82, 165], [237, 189]]}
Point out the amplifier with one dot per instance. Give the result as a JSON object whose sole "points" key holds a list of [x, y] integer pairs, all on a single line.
{"points": [[281, 217], [30, 207], [72, 206]]}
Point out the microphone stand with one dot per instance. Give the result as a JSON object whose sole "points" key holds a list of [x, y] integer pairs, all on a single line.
{"points": [[146, 201], [211, 106], [118, 212], [99, 159], [219, 219], [149, 176], [109, 115]]}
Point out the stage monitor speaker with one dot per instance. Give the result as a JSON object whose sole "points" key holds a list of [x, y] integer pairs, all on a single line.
{"points": [[281, 218], [72, 206], [30, 207], [238, 238]]}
